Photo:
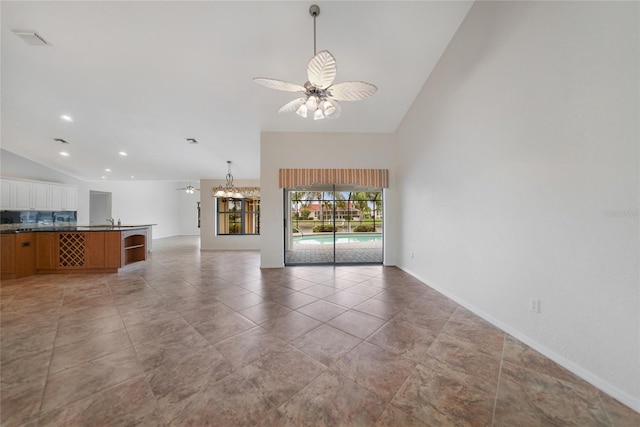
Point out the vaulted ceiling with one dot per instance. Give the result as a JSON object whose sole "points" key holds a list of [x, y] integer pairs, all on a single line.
{"points": [[143, 77]]}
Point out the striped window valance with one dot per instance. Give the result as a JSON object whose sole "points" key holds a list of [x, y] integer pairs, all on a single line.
{"points": [[291, 178]]}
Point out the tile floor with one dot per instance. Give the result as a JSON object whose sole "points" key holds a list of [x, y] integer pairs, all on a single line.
{"points": [[190, 338]]}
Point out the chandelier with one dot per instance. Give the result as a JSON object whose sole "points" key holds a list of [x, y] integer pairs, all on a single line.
{"points": [[228, 190]]}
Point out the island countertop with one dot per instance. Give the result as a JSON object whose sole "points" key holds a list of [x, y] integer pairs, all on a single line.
{"points": [[69, 248], [67, 228]]}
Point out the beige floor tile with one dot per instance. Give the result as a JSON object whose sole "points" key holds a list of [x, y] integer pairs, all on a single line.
{"points": [[321, 310], [405, 339], [333, 400], [70, 385], [326, 344], [291, 325], [357, 324], [436, 395], [528, 397], [264, 312], [79, 352], [375, 369]]}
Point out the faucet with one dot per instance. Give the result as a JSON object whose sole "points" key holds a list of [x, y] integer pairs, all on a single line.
{"points": [[111, 221]]}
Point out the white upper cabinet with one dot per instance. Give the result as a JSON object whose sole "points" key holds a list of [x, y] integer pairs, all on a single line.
{"points": [[21, 195], [5, 195], [71, 199], [57, 197], [42, 196]]}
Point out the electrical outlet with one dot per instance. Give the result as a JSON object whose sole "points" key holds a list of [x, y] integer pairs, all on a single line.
{"points": [[534, 305]]}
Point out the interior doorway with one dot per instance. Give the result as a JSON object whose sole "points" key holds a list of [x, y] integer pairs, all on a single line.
{"points": [[99, 207], [333, 224]]}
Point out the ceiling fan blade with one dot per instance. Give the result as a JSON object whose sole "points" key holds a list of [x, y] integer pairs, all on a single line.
{"points": [[321, 69], [352, 91], [291, 107], [279, 84]]}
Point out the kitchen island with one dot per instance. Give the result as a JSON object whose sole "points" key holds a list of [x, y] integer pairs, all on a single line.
{"points": [[71, 249]]}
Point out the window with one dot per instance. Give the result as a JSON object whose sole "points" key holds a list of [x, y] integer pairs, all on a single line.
{"points": [[238, 216]]}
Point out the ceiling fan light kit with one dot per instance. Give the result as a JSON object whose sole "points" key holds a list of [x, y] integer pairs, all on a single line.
{"points": [[189, 189], [320, 95]]}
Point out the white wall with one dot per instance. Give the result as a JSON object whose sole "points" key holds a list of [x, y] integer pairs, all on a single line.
{"points": [[208, 238], [187, 205], [521, 154], [143, 202], [318, 150]]}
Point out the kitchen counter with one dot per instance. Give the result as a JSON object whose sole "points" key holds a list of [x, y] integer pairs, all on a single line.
{"points": [[50, 229], [71, 249]]}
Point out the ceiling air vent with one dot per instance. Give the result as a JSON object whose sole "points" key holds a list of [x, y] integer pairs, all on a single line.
{"points": [[60, 140], [192, 141], [31, 37]]}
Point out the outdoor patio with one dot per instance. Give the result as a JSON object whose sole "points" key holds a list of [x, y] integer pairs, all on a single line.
{"points": [[357, 252]]}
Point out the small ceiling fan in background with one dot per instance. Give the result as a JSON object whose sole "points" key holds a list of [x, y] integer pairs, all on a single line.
{"points": [[189, 189], [321, 96]]}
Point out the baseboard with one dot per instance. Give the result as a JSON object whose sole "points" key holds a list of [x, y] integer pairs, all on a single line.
{"points": [[613, 391]]}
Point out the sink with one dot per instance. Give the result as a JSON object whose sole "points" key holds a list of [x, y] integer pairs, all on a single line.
{"points": [[110, 226]]}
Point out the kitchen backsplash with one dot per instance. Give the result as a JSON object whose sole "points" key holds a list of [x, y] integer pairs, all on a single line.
{"points": [[13, 219]]}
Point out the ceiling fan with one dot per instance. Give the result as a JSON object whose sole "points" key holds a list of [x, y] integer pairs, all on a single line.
{"points": [[189, 189], [320, 95]]}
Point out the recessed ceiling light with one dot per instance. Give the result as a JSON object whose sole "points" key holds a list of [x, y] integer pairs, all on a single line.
{"points": [[103, 177], [64, 153], [132, 176], [122, 153], [107, 170], [66, 118]]}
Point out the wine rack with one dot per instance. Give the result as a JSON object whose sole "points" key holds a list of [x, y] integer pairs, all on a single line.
{"points": [[72, 250]]}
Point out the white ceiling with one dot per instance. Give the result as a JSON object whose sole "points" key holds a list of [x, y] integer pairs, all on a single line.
{"points": [[143, 76]]}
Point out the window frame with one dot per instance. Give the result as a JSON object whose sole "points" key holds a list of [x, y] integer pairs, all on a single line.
{"points": [[243, 213]]}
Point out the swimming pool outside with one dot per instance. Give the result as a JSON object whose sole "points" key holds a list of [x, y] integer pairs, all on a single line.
{"points": [[327, 239]]}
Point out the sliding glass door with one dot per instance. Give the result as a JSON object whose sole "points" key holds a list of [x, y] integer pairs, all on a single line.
{"points": [[332, 224]]}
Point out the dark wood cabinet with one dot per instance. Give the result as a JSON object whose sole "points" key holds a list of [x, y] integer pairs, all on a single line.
{"points": [[8, 256], [18, 255], [112, 249], [25, 258], [94, 254], [24, 254], [45, 245]]}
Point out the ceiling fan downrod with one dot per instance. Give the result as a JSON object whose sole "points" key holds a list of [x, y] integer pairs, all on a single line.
{"points": [[314, 10]]}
